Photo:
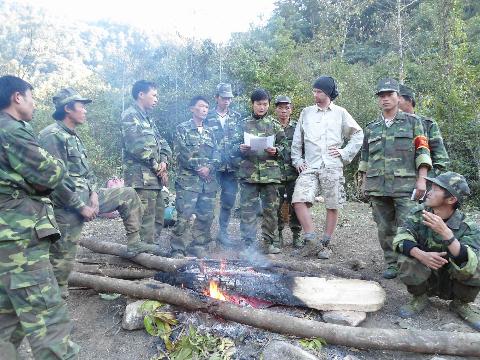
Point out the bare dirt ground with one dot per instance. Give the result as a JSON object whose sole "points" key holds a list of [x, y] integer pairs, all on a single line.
{"points": [[97, 322]]}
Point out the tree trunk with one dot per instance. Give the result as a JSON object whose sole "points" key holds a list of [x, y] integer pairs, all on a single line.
{"points": [[420, 341]]}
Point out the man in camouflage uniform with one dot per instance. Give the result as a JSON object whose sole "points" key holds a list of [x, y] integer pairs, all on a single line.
{"points": [[326, 138], [196, 185], [223, 121], [395, 158], [439, 251], [283, 109], [30, 301], [260, 174], [145, 158], [438, 153], [83, 201]]}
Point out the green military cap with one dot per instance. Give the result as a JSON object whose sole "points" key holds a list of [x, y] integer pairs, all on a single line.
{"points": [[454, 183], [224, 90], [387, 85], [62, 98], [406, 91], [282, 99]]}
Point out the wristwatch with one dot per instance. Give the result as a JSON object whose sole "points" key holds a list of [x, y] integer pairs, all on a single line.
{"points": [[448, 241]]}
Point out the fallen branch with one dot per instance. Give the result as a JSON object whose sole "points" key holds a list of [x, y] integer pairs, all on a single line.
{"points": [[171, 265], [114, 271], [419, 341]]}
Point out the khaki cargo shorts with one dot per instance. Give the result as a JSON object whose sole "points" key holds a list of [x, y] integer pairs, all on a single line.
{"points": [[329, 182]]}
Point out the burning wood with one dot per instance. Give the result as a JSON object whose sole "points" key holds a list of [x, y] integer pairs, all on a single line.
{"points": [[246, 283]]}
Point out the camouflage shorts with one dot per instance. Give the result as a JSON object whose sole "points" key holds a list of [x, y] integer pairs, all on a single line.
{"points": [[330, 182]]}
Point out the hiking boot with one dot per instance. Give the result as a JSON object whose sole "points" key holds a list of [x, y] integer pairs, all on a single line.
{"points": [[64, 292], [415, 306], [467, 312], [272, 249], [324, 253], [177, 254], [224, 239], [391, 272]]}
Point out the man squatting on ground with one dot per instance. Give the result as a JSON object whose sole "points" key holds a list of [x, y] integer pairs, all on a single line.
{"points": [[197, 160], [223, 121], [317, 154], [439, 248], [259, 174], [84, 200], [30, 300], [146, 155], [395, 159]]}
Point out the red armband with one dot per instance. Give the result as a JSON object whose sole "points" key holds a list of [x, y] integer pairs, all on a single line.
{"points": [[421, 141]]}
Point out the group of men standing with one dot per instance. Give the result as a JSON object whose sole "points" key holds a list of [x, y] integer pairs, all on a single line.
{"points": [[48, 191]]}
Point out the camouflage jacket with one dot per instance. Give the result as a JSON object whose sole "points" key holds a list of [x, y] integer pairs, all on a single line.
{"points": [[256, 167], [390, 156], [438, 153], [143, 149], [289, 173], [466, 231], [27, 175], [224, 137], [80, 181], [194, 150]]}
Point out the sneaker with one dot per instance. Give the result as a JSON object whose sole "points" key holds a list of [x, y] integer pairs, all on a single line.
{"points": [[324, 253], [391, 272], [272, 249], [415, 306], [467, 312]]}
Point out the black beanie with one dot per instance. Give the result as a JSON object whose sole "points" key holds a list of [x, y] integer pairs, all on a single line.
{"points": [[327, 85]]}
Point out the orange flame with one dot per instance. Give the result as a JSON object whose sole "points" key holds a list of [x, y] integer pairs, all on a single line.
{"points": [[214, 291]]}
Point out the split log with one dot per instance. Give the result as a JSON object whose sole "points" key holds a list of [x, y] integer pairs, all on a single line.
{"points": [[313, 292], [419, 341], [171, 265]]}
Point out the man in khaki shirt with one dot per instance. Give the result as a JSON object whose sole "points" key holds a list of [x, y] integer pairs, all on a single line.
{"points": [[318, 155]]}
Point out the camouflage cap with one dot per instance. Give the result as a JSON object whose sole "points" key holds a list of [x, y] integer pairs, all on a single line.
{"points": [[387, 85], [282, 99], [224, 90], [64, 96], [454, 183], [406, 91]]}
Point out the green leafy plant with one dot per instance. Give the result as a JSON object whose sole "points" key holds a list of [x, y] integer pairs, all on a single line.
{"points": [[315, 344], [157, 322]]}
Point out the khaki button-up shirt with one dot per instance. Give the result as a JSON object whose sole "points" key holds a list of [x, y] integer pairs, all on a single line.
{"points": [[318, 130]]}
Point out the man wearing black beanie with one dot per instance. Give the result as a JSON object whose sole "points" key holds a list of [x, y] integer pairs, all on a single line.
{"points": [[318, 155]]}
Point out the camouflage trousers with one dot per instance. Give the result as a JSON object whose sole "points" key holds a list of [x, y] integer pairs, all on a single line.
{"points": [[268, 194], [285, 192], [229, 188], [188, 203], [153, 214], [70, 222], [420, 280], [30, 303], [389, 213]]}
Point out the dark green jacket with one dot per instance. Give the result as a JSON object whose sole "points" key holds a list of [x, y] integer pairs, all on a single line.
{"points": [[194, 150], [289, 173], [260, 168], [224, 137], [391, 156], [143, 149]]}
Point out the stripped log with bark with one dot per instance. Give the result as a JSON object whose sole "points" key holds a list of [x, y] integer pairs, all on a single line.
{"points": [[171, 265], [419, 341]]}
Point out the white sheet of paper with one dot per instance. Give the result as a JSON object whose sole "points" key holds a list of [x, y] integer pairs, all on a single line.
{"points": [[258, 143]]}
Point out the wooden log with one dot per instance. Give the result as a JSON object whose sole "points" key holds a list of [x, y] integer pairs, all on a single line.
{"points": [[419, 341], [313, 292], [170, 265], [115, 271]]}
